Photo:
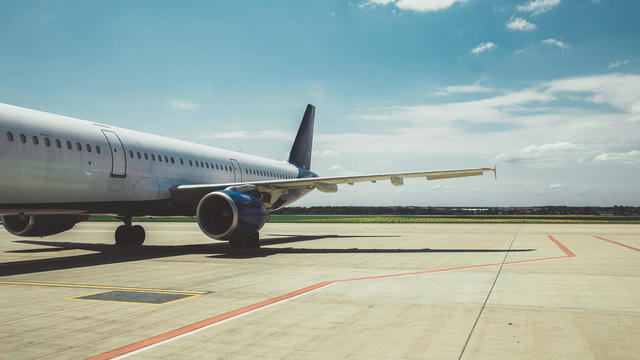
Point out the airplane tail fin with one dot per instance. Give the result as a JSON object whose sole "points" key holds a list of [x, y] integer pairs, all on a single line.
{"points": [[300, 154]]}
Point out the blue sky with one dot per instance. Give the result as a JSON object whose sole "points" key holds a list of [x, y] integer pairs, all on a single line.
{"points": [[548, 89]]}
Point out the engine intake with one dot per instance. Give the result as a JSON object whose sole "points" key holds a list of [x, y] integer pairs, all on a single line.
{"points": [[228, 215], [40, 225]]}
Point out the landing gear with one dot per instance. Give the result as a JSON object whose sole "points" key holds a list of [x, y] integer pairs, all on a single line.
{"points": [[250, 242], [128, 235]]}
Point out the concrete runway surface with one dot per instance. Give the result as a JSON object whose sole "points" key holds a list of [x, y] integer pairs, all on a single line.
{"points": [[356, 291]]}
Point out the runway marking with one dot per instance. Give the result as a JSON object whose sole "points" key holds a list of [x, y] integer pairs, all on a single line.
{"points": [[172, 335], [104, 287], [617, 243]]}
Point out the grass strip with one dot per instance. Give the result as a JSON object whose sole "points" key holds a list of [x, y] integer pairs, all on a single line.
{"points": [[418, 219]]}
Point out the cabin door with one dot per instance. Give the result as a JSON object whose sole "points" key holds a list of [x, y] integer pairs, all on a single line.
{"points": [[237, 172], [118, 156]]}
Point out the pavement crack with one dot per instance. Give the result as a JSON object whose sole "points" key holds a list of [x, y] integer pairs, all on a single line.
{"points": [[486, 300]]}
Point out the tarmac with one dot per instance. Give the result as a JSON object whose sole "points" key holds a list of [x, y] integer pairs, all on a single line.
{"points": [[338, 291]]}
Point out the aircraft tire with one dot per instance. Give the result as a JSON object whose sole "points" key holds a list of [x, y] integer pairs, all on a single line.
{"points": [[236, 243], [123, 235], [129, 236], [138, 235], [253, 242]]}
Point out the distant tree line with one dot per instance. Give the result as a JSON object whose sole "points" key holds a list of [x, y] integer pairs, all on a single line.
{"points": [[429, 210]]}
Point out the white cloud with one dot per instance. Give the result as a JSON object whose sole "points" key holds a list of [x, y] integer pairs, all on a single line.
{"points": [[482, 47], [339, 170], [556, 42], [618, 63], [325, 154], [553, 154], [179, 104], [414, 5], [520, 24], [629, 158], [537, 7], [263, 134], [377, 2], [555, 186], [635, 112], [464, 89], [426, 5], [500, 124], [619, 90]]}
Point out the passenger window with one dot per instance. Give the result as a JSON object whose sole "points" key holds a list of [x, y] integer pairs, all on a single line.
{"points": [[58, 143], [47, 142], [201, 164], [131, 154], [160, 158], [88, 147], [190, 163], [23, 138], [98, 149], [69, 146], [139, 156], [146, 156], [79, 146], [207, 165], [197, 164], [172, 160], [153, 157], [35, 140], [181, 162], [9, 136]]}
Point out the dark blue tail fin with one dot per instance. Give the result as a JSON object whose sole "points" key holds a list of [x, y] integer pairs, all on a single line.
{"points": [[300, 154]]}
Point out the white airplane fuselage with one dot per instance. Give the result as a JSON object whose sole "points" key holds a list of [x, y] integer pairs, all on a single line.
{"points": [[57, 164]]}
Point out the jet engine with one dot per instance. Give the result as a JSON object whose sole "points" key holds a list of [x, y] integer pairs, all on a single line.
{"points": [[40, 225], [231, 215]]}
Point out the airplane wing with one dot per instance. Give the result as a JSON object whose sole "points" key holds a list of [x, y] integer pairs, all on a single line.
{"points": [[189, 195]]}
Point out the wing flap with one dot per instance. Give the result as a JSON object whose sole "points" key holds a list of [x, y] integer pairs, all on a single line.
{"points": [[453, 175]]}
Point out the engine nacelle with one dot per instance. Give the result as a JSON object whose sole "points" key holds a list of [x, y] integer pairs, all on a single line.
{"points": [[40, 225], [228, 215]]}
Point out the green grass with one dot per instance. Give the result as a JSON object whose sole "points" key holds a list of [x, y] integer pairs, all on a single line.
{"points": [[420, 219], [417, 219]]}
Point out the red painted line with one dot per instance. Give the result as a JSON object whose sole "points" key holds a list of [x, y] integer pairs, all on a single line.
{"points": [[617, 243], [167, 336], [566, 251], [200, 324]]}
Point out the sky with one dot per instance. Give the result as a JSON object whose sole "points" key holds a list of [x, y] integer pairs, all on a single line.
{"points": [[549, 90]]}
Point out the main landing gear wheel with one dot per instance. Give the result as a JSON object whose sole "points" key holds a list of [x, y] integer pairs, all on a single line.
{"points": [[129, 236], [250, 242]]}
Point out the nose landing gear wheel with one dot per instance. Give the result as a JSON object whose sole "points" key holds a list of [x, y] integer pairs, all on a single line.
{"points": [[130, 236]]}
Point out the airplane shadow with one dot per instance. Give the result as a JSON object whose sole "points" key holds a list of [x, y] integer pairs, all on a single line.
{"points": [[104, 254]]}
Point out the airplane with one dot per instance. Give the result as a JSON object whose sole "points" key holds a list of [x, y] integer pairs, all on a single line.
{"points": [[57, 170]]}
